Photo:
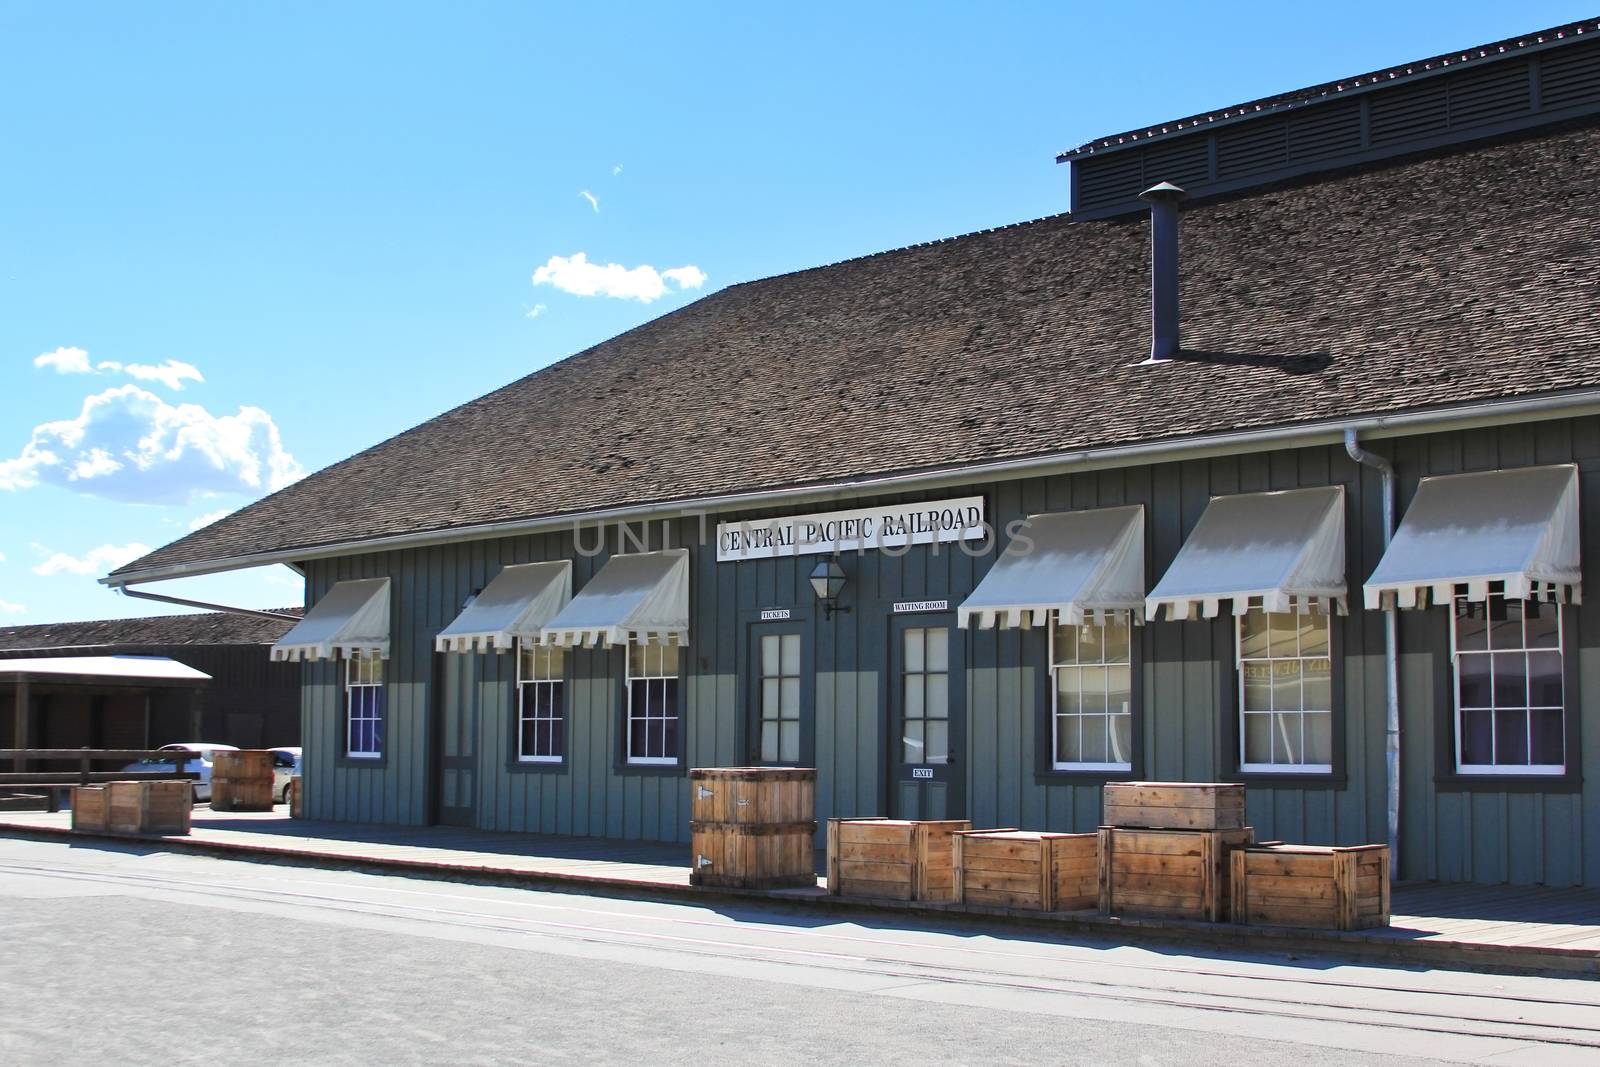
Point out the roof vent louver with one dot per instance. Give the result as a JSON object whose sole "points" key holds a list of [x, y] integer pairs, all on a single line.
{"points": [[1480, 92]]}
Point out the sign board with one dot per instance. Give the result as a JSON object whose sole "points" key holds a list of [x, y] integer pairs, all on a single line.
{"points": [[903, 607], [774, 614], [922, 772], [857, 530]]}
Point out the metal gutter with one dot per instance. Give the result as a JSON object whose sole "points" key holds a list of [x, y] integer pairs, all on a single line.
{"points": [[1391, 657], [207, 605], [1321, 432]]}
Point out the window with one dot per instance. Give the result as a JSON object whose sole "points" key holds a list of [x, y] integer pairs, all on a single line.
{"points": [[541, 704], [652, 703], [1285, 692], [780, 698], [1509, 686], [925, 691], [1092, 668], [363, 696]]}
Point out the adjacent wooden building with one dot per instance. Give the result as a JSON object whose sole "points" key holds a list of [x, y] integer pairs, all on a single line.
{"points": [[948, 524]]}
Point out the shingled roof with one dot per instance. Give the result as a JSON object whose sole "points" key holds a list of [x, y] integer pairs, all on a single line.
{"points": [[1441, 279], [205, 628]]}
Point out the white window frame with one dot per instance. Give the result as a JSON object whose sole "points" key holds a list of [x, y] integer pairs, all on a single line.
{"points": [[1238, 675], [543, 683], [778, 720], [1056, 714], [355, 685], [923, 674], [630, 678], [1503, 770]]}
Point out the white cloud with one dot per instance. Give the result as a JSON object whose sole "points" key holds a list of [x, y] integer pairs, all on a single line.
{"points": [[616, 170], [535, 311], [8, 608], [64, 361], [685, 277], [576, 275], [594, 201], [96, 561], [281, 578], [207, 519], [129, 444], [173, 373]]}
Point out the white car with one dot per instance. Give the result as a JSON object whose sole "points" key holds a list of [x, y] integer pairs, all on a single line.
{"points": [[285, 765], [202, 766]]}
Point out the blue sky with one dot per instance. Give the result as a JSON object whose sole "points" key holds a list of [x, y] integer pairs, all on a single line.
{"points": [[240, 242]]}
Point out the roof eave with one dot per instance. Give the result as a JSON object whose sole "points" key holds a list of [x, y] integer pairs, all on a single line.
{"points": [[1567, 404]]}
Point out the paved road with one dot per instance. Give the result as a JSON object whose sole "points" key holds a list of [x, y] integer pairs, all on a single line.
{"points": [[121, 954]]}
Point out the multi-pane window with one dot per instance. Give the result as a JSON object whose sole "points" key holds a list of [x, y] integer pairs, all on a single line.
{"points": [[652, 703], [1093, 711], [1509, 687], [1285, 692], [541, 704], [780, 698], [363, 695], [925, 690]]}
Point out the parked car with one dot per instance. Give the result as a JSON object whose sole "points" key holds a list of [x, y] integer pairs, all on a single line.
{"points": [[285, 765], [202, 787]]}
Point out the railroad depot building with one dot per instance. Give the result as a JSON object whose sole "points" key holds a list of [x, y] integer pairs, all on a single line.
{"points": [[956, 526]]}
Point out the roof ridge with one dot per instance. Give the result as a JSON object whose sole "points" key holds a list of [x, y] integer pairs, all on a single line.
{"points": [[1321, 90], [914, 246]]}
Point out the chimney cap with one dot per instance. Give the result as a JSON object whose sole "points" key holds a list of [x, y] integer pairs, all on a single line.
{"points": [[1164, 191]]}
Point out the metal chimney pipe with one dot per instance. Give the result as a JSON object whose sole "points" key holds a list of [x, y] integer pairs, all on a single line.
{"points": [[1163, 200]]}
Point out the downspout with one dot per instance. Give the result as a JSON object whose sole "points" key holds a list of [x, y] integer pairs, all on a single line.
{"points": [[1391, 657]]}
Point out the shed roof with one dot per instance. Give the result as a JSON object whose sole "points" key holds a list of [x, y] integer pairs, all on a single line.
{"points": [[1443, 279], [104, 670], [203, 628]]}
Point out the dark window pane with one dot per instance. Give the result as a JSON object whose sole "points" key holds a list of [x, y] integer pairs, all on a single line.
{"points": [[1067, 739], [669, 697], [1505, 627], [377, 735], [1474, 673], [558, 737], [1543, 625], [669, 747], [1510, 737], [1094, 738], [1258, 738], [1548, 741], [636, 737], [1472, 634], [1544, 679], [1477, 745], [1510, 680]]}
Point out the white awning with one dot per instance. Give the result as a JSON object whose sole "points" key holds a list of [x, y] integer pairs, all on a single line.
{"points": [[643, 595], [517, 603], [352, 617], [1285, 549], [1519, 527], [1074, 562]]}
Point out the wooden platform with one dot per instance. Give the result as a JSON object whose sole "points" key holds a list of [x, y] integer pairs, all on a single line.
{"points": [[1515, 927]]}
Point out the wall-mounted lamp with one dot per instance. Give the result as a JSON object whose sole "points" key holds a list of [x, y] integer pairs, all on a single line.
{"points": [[827, 579]]}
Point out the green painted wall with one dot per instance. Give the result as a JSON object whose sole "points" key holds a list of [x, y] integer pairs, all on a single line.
{"points": [[460, 705]]}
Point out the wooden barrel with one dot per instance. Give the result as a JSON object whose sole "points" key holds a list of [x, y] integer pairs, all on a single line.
{"points": [[753, 827], [241, 781]]}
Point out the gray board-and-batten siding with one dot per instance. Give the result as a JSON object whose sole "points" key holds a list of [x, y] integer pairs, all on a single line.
{"points": [[1453, 830]]}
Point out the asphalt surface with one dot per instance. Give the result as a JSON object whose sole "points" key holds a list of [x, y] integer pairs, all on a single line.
{"points": [[120, 954]]}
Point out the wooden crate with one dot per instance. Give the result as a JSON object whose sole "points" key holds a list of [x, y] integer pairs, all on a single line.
{"points": [[760, 796], [149, 807], [1028, 869], [1177, 874], [753, 857], [89, 808], [1174, 805], [1312, 886], [296, 804], [900, 859], [241, 780]]}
